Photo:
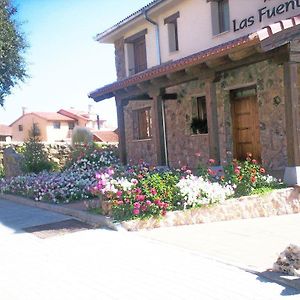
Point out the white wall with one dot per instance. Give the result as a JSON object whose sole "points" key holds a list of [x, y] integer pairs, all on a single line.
{"points": [[195, 25]]}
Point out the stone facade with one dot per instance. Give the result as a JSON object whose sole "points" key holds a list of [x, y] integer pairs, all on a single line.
{"points": [[120, 59], [182, 145], [280, 202]]}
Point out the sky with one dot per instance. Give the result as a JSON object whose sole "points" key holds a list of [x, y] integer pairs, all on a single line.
{"points": [[64, 62]]}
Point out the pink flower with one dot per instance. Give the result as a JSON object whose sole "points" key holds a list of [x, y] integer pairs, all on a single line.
{"points": [[140, 176], [198, 154], [211, 161], [140, 197], [120, 202], [136, 211], [134, 181], [138, 191], [211, 172], [136, 205], [237, 171], [98, 176], [119, 193], [148, 202], [144, 208], [153, 191]]}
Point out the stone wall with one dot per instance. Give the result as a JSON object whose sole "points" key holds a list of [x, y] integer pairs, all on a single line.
{"points": [[280, 202], [58, 152], [120, 59], [182, 144]]}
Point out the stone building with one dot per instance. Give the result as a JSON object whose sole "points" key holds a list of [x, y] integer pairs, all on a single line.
{"points": [[211, 77]]}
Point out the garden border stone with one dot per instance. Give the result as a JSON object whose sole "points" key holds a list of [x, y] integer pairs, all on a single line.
{"points": [[278, 202]]}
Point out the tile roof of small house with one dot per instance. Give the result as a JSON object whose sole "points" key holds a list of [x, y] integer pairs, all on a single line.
{"points": [[106, 136], [107, 91], [5, 130], [74, 113], [52, 116]]}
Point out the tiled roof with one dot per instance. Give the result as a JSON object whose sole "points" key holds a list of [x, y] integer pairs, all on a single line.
{"points": [[74, 113], [274, 28], [128, 19], [194, 59], [5, 130], [106, 136], [52, 116], [180, 64]]}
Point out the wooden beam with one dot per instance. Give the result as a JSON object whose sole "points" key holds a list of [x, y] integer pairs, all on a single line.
{"points": [[212, 120], [172, 96], [176, 75], [121, 130], [242, 54], [292, 113], [196, 70], [158, 128], [213, 63]]}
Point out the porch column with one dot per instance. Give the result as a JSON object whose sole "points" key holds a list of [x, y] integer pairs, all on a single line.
{"points": [[292, 116], [212, 120], [159, 126], [121, 128]]}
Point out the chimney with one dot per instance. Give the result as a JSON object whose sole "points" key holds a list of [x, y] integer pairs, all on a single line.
{"points": [[24, 110]]}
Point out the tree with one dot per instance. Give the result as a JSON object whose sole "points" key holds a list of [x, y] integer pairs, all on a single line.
{"points": [[12, 47]]}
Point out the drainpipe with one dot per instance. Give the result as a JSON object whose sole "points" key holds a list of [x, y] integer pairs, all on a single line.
{"points": [[159, 63], [156, 35]]}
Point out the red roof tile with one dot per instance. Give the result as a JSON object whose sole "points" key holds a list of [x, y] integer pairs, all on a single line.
{"points": [[5, 130], [52, 116], [106, 136]]}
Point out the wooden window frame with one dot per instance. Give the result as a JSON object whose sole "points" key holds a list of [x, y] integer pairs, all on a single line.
{"points": [[21, 128], [220, 16], [143, 119], [171, 21], [199, 124], [132, 56]]}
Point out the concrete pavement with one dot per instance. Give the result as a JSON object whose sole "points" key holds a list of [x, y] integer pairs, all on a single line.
{"points": [[102, 264]]}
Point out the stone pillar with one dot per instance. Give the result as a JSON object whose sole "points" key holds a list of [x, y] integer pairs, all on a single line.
{"points": [[212, 120], [121, 129], [292, 116], [159, 127]]}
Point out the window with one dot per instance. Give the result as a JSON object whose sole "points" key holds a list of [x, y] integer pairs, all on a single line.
{"points": [[143, 124], [171, 22], [56, 125], [20, 127], [199, 119], [135, 48], [220, 16], [71, 125], [35, 129]]}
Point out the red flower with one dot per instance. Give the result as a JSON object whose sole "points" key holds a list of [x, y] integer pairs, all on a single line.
{"points": [[262, 170], [153, 191], [254, 161], [253, 179], [140, 197], [140, 176], [211, 172], [136, 211], [211, 161]]}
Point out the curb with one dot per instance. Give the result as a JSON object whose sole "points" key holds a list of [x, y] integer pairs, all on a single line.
{"points": [[94, 220]]}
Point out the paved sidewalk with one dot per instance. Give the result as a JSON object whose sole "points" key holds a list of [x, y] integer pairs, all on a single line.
{"points": [[103, 264], [252, 244]]}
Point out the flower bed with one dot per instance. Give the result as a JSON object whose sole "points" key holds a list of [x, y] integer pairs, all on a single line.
{"points": [[74, 183], [278, 202]]}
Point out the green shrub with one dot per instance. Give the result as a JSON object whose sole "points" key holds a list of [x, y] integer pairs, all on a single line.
{"points": [[35, 158], [81, 136], [1, 170]]}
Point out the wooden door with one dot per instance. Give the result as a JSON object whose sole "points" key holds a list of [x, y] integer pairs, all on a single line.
{"points": [[246, 132], [140, 56]]}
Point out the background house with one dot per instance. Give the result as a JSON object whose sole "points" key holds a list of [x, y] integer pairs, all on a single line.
{"points": [[5, 133], [58, 126], [220, 78]]}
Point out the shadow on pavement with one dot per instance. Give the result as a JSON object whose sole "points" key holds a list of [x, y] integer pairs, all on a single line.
{"points": [[291, 284]]}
